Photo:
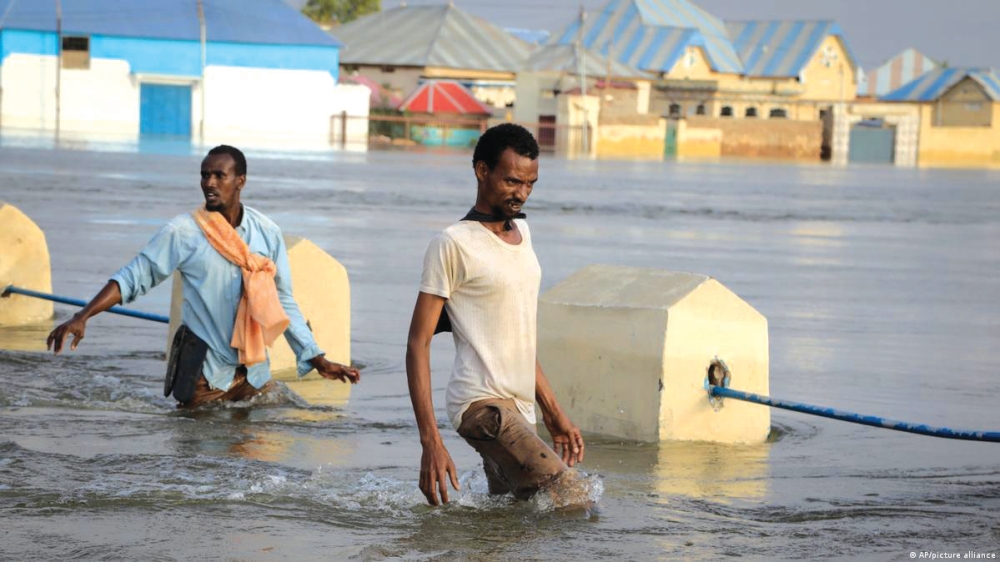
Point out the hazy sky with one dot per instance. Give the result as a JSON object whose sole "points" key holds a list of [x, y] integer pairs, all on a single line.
{"points": [[961, 32]]}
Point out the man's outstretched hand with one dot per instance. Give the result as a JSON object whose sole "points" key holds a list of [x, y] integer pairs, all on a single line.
{"points": [[334, 371], [75, 325]]}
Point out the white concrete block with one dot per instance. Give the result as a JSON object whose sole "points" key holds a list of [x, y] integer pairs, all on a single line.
{"points": [[627, 351]]}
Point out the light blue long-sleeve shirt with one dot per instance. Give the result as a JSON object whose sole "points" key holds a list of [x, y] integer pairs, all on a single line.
{"points": [[212, 288]]}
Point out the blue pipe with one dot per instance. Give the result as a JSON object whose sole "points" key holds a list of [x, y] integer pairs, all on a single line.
{"points": [[874, 421], [11, 289]]}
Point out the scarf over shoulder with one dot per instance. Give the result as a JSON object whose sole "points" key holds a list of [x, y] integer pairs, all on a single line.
{"points": [[260, 318]]}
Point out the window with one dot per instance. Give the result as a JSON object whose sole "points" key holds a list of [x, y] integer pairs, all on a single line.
{"points": [[692, 59], [727, 111], [700, 110], [778, 113], [76, 52], [675, 110], [751, 112], [388, 69]]}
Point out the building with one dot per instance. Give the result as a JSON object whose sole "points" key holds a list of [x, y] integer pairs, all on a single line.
{"points": [[264, 71], [959, 116], [555, 70], [403, 46], [794, 69], [707, 67], [894, 73]]}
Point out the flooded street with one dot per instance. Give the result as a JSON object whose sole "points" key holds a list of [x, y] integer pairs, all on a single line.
{"points": [[881, 287]]}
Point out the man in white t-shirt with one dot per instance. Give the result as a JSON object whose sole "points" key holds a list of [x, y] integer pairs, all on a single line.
{"points": [[481, 276]]}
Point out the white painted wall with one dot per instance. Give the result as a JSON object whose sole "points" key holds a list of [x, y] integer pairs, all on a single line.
{"points": [[262, 107], [103, 99]]}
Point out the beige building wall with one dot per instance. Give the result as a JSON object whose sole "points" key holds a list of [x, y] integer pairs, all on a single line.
{"points": [[637, 137], [692, 65], [966, 104], [829, 75], [958, 146]]}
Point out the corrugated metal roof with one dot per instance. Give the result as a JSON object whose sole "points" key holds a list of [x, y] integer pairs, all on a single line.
{"points": [[231, 21], [443, 96], [563, 58], [780, 47], [894, 73], [653, 34], [931, 85], [442, 36]]}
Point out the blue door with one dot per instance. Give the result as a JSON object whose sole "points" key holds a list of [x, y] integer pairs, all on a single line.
{"points": [[165, 110], [872, 143]]}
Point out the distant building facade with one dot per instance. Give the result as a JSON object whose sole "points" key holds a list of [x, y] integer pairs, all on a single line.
{"points": [[404, 46], [707, 67], [959, 115], [126, 69]]}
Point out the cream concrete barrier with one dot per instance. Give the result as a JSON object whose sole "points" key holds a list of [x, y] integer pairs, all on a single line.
{"points": [[24, 262], [627, 352], [323, 293]]}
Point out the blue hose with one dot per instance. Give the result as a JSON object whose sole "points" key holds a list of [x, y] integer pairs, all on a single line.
{"points": [[874, 421], [11, 289]]}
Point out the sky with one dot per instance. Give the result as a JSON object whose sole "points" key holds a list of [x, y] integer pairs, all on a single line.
{"points": [[959, 32]]}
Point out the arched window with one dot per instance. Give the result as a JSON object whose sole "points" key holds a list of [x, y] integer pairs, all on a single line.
{"points": [[778, 112], [751, 112], [727, 111], [700, 110], [675, 110]]}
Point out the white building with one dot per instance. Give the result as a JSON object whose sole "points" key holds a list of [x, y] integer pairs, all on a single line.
{"points": [[125, 69]]}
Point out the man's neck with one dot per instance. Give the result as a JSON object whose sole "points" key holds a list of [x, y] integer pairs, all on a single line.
{"points": [[234, 216]]}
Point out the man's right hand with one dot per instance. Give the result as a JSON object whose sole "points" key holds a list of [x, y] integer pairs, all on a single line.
{"points": [[436, 468], [76, 325]]}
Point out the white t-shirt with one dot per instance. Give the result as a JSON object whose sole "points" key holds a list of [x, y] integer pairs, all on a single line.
{"points": [[492, 291]]}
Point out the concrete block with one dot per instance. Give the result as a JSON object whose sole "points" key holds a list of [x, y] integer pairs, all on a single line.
{"points": [[24, 262], [627, 351], [322, 291]]}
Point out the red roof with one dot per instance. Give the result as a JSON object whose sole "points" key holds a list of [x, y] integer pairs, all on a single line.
{"points": [[444, 96]]}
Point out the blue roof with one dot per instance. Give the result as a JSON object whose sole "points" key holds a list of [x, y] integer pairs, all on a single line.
{"points": [[653, 34], [935, 83], [228, 21], [781, 47]]}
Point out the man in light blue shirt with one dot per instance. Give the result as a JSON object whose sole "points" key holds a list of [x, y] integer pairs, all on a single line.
{"points": [[212, 289]]}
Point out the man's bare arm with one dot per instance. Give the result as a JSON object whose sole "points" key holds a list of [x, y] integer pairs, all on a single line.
{"points": [[436, 466], [109, 296], [566, 438]]}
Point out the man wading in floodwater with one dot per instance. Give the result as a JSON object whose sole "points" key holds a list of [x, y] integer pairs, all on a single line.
{"points": [[237, 294], [483, 273]]}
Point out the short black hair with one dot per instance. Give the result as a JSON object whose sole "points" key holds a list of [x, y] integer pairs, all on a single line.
{"points": [[237, 154], [501, 137]]}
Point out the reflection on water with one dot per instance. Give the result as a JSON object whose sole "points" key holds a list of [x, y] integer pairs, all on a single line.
{"points": [[711, 471]]}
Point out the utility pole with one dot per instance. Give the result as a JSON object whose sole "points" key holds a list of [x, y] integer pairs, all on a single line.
{"points": [[201, 24], [58, 65], [581, 62]]}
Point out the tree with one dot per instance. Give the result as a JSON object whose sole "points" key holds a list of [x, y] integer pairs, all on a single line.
{"points": [[332, 12]]}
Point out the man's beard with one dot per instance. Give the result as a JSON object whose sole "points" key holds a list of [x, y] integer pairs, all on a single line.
{"points": [[503, 212]]}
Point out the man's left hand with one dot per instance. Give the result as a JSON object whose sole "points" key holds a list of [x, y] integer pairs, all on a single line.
{"points": [[335, 371], [566, 438]]}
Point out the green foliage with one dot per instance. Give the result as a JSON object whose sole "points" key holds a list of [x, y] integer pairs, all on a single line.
{"points": [[331, 12]]}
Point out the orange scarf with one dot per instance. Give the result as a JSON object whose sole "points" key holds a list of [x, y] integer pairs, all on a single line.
{"points": [[260, 318]]}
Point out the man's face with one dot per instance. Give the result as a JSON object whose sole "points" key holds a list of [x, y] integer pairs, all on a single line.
{"points": [[219, 182], [506, 187]]}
